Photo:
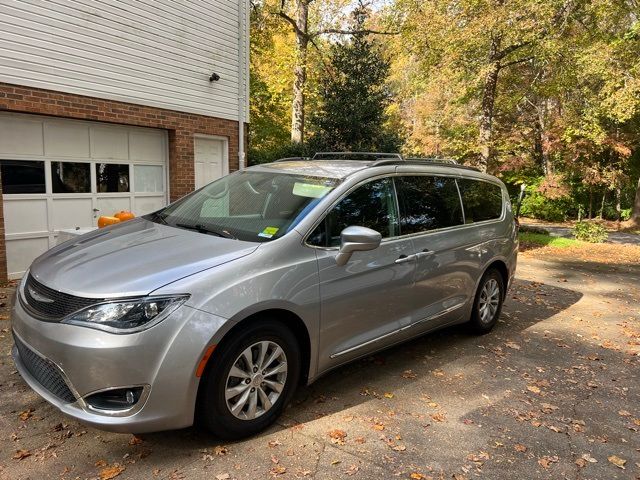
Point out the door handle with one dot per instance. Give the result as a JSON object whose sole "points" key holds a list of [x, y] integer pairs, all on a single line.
{"points": [[424, 253], [405, 258]]}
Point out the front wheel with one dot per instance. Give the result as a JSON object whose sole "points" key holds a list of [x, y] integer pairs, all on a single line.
{"points": [[250, 380], [488, 302]]}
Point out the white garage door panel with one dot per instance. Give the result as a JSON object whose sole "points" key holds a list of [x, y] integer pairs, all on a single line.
{"points": [[25, 216], [109, 143], [145, 205], [20, 253], [32, 221], [146, 146], [110, 206], [22, 137], [66, 139], [71, 212]]}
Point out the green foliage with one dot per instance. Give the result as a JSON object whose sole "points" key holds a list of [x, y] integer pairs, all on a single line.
{"points": [[285, 149], [536, 205], [354, 96], [591, 232], [529, 238]]}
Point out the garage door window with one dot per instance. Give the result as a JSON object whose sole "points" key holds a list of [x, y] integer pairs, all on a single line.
{"points": [[112, 177], [22, 177], [70, 177], [148, 178]]}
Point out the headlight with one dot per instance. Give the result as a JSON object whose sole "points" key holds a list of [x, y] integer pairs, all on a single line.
{"points": [[127, 316]]}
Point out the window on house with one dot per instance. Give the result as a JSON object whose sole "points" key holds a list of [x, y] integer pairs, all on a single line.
{"points": [[112, 177], [70, 177], [22, 177]]}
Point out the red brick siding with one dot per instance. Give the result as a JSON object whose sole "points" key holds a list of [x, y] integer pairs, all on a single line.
{"points": [[181, 128]]}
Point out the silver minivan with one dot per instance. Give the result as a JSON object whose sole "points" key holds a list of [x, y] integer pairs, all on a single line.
{"points": [[218, 306]]}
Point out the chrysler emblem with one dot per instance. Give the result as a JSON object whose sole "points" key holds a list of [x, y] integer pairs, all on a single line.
{"points": [[39, 297]]}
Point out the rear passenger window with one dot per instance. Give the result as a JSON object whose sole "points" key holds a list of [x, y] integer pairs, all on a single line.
{"points": [[481, 200], [428, 203], [372, 205]]}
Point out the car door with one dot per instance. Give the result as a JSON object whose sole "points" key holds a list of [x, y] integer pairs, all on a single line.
{"points": [[431, 212], [365, 302]]}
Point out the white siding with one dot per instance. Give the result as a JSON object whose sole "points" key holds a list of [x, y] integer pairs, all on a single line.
{"points": [[149, 52]]}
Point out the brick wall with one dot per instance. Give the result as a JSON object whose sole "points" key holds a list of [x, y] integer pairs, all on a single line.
{"points": [[180, 126]]}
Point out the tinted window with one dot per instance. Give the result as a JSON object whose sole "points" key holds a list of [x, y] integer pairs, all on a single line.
{"points": [[481, 200], [22, 177], [372, 205], [112, 177], [68, 177], [428, 203]]}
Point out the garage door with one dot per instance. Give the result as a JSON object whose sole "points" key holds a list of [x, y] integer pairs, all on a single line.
{"points": [[59, 174]]}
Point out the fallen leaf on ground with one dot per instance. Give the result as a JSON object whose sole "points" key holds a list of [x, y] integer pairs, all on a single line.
{"points": [[418, 476], [624, 413], [389, 395], [337, 436], [546, 462], [20, 454], [439, 416], [135, 440], [512, 345], [533, 388], [223, 476], [408, 374], [520, 448], [26, 415], [220, 450], [278, 470], [111, 472], [617, 461], [352, 470]]}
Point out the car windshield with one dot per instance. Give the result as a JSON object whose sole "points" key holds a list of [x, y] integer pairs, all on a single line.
{"points": [[255, 206]]}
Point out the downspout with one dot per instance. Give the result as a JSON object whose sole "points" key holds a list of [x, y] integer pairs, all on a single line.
{"points": [[243, 67]]}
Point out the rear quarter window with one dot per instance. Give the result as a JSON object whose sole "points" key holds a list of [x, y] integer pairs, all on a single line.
{"points": [[481, 200]]}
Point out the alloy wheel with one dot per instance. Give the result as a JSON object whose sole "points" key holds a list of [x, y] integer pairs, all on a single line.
{"points": [[256, 380], [489, 301]]}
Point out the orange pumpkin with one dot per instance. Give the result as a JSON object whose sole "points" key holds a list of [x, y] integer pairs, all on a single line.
{"points": [[124, 215], [105, 221]]}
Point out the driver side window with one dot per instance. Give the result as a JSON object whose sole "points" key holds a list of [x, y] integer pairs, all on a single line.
{"points": [[372, 205]]}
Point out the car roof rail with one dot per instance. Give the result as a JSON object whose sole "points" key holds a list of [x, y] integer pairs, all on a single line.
{"points": [[356, 156], [291, 159]]}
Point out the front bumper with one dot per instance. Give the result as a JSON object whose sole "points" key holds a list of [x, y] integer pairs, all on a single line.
{"points": [[162, 359]]}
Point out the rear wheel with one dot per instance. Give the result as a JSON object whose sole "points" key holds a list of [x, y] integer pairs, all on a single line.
{"points": [[250, 380], [488, 302]]}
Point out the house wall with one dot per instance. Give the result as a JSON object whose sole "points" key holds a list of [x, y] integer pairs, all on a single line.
{"points": [[157, 53], [180, 126]]}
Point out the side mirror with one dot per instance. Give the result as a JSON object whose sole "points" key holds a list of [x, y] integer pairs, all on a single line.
{"points": [[356, 239]]}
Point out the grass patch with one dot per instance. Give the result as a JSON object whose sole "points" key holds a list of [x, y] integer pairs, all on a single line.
{"points": [[540, 239]]}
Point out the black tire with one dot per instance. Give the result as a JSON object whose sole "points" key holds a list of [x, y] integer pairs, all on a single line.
{"points": [[479, 323], [213, 412]]}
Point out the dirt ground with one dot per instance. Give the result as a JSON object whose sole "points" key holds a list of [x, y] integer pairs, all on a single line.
{"points": [[553, 392]]}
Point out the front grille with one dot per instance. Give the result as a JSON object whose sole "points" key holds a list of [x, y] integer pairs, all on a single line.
{"points": [[45, 372], [50, 304]]}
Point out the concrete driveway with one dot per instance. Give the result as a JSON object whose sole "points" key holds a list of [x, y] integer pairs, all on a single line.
{"points": [[552, 392]]}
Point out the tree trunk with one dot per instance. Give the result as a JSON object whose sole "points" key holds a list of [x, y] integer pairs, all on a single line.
{"points": [[604, 197], [635, 216], [486, 116], [542, 138], [618, 205], [300, 72], [590, 202]]}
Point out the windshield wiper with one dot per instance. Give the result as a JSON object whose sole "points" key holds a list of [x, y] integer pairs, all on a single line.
{"points": [[198, 227], [158, 216]]}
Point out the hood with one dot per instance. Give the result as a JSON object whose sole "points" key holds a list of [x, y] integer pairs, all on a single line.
{"points": [[132, 258]]}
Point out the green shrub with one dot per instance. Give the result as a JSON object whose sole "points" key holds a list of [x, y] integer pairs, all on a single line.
{"points": [[590, 232], [536, 205], [625, 214]]}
